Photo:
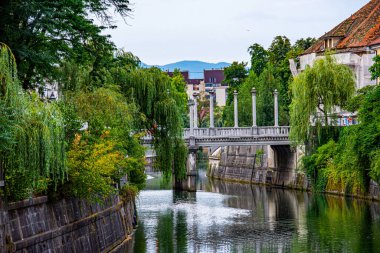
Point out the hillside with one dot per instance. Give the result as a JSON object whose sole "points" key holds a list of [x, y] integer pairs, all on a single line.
{"points": [[194, 67]]}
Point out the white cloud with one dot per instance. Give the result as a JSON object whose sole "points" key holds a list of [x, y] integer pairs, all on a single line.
{"points": [[166, 31]]}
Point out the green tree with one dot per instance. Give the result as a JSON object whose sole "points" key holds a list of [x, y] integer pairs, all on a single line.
{"points": [[244, 103], [179, 87], [266, 85], [278, 50], [348, 163], [316, 93], [43, 33], [259, 58], [32, 156], [304, 44], [234, 77], [108, 148], [161, 105], [375, 68]]}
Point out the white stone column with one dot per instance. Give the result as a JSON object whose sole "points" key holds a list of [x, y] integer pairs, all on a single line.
{"points": [[195, 96], [191, 110], [236, 109], [254, 123], [275, 108], [212, 92]]}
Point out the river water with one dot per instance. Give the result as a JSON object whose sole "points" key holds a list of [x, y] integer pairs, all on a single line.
{"points": [[232, 217]]}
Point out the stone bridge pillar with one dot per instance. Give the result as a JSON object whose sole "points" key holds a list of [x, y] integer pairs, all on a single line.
{"points": [[282, 162], [189, 183]]}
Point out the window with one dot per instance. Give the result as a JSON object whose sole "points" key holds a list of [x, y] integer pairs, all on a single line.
{"points": [[212, 79]]}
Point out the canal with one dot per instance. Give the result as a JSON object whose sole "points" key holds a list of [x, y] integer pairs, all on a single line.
{"points": [[233, 217]]}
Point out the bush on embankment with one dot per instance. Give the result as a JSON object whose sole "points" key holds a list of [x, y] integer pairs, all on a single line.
{"points": [[347, 164], [43, 149]]}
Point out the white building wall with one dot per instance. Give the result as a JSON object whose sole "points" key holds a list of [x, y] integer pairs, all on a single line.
{"points": [[359, 64]]}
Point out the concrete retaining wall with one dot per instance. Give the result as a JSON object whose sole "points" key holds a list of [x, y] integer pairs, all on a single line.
{"points": [[37, 225], [243, 164], [254, 165]]}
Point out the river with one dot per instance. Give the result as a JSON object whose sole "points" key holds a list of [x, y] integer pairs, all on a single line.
{"points": [[233, 217]]}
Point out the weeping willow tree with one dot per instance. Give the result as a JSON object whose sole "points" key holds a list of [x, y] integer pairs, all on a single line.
{"points": [[316, 94], [32, 156], [161, 103]]}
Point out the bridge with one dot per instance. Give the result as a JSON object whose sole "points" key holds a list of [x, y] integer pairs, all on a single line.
{"points": [[233, 136], [276, 137]]}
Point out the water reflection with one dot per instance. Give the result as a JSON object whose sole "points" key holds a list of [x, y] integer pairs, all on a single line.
{"points": [[230, 217]]}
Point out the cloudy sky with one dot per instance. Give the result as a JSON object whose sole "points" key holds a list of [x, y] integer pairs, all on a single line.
{"points": [[166, 31]]}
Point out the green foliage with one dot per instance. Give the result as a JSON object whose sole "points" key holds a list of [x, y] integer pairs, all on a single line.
{"points": [[103, 108], [265, 86], [304, 44], [128, 192], [42, 34], [259, 58], [107, 150], [160, 100], [234, 76], [278, 58], [348, 164], [316, 93], [244, 104], [271, 69], [315, 163], [32, 156], [357, 101], [375, 165], [375, 68], [179, 87], [369, 133], [96, 166]]}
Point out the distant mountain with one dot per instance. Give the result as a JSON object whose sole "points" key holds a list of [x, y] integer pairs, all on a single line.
{"points": [[194, 67]]}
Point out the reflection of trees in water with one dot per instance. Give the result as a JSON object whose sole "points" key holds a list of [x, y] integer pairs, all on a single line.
{"points": [[181, 232], [165, 233], [277, 215], [280, 221], [338, 224], [139, 244]]}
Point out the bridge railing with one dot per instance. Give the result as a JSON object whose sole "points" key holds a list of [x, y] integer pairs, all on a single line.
{"points": [[230, 132], [237, 131]]}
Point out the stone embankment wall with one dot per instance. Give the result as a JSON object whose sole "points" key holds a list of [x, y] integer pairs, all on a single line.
{"points": [[247, 165], [36, 225], [255, 165]]}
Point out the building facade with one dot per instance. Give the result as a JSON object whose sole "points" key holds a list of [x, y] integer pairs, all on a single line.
{"points": [[354, 42]]}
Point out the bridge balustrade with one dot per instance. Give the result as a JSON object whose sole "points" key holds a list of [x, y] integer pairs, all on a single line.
{"points": [[237, 131]]}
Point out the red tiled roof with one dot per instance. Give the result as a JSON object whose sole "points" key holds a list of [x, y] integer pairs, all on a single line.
{"points": [[359, 30], [375, 42]]}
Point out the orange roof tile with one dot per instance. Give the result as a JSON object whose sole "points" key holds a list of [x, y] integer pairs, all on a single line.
{"points": [[359, 30]]}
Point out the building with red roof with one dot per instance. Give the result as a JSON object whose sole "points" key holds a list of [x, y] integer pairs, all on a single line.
{"points": [[354, 42]]}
